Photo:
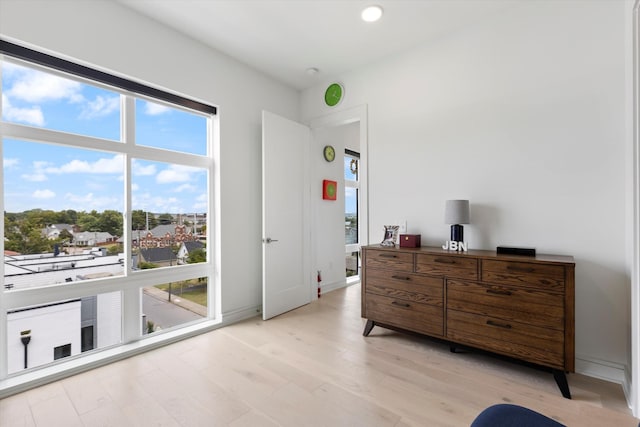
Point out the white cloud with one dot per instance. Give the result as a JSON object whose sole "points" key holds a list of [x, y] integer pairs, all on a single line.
{"points": [[43, 194], [10, 69], [34, 177], [9, 163], [100, 107], [26, 85], [110, 165], [138, 169], [38, 174], [31, 116], [96, 185], [157, 203], [185, 188], [40, 164], [176, 173], [35, 86], [90, 201], [154, 109], [201, 204]]}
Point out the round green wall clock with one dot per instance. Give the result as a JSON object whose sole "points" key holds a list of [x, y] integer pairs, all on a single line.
{"points": [[333, 94], [329, 153]]}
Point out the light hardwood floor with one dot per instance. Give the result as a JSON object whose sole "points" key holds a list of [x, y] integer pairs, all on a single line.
{"points": [[308, 367]]}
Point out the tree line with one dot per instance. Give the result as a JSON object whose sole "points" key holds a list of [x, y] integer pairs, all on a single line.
{"points": [[23, 230]]}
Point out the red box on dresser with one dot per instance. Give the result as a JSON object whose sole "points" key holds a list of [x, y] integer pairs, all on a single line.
{"points": [[410, 240]]}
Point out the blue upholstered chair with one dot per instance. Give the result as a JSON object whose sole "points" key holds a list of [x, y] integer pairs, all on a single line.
{"points": [[505, 415]]}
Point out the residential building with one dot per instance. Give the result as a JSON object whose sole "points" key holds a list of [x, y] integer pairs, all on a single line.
{"points": [[63, 329], [163, 236], [52, 231], [93, 238], [159, 255], [31, 271], [67, 327], [186, 248]]}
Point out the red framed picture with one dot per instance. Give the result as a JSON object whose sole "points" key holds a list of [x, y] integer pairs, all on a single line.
{"points": [[329, 189]]}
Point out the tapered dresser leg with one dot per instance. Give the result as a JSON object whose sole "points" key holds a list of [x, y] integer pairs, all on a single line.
{"points": [[368, 327], [561, 380]]}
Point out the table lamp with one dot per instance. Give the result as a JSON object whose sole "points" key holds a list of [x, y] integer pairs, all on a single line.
{"points": [[456, 212]]}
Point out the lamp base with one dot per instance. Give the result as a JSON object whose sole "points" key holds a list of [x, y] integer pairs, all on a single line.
{"points": [[457, 233]]}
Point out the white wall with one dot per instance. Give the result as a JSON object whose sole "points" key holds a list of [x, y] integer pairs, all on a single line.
{"points": [[524, 116], [111, 37], [109, 319], [51, 326]]}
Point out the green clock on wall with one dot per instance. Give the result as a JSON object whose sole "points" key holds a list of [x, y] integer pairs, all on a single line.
{"points": [[333, 95], [329, 153]]}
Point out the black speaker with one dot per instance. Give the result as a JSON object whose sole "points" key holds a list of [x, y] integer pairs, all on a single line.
{"points": [[506, 250]]}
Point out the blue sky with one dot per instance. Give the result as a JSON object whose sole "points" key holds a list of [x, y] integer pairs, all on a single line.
{"points": [[350, 200], [47, 176]]}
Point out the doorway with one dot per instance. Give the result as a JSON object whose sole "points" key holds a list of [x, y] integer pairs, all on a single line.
{"points": [[336, 238], [316, 217]]}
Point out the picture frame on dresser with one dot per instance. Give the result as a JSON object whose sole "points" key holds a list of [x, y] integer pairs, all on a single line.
{"points": [[390, 237]]}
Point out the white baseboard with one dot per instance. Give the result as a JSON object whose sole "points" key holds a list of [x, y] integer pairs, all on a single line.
{"points": [[605, 370], [328, 287], [240, 314]]}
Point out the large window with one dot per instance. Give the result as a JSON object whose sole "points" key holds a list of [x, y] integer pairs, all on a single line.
{"points": [[106, 191]]}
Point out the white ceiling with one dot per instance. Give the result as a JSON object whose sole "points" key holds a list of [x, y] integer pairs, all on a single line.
{"points": [[283, 38]]}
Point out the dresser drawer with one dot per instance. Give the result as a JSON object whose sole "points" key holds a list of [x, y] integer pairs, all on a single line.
{"points": [[394, 260], [544, 276], [530, 306], [417, 317], [406, 286], [446, 265], [531, 343]]}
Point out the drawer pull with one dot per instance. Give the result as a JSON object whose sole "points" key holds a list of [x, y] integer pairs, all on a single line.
{"points": [[387, 256], [445, 260], [499, 325], [498, 292], [401, 277], [521, 269], [400, 304]]}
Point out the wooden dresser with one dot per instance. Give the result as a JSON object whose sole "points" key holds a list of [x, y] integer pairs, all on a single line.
{"points": [[517, 306]]}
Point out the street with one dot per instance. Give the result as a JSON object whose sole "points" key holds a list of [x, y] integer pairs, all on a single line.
{"points": [[165, 314]]}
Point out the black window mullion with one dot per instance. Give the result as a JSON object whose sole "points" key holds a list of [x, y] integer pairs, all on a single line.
{"points": [[351, 153]]}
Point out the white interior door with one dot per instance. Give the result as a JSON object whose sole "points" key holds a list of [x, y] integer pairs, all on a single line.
{"points": [[286, 275]]}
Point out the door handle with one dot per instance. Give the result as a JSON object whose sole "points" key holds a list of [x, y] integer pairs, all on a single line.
{"points": [[268, 240]]}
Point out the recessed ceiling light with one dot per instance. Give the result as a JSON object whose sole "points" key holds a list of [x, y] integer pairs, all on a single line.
{"points": [[371, 13]]}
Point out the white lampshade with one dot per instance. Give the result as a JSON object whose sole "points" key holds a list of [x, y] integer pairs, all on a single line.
{"points": [[456, 212]]}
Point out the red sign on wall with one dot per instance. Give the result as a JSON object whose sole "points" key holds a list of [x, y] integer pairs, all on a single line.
{"points": [[329, 189]]}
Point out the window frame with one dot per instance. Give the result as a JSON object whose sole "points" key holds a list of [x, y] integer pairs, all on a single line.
{"points": [[131, 283]]}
